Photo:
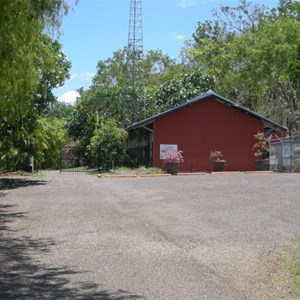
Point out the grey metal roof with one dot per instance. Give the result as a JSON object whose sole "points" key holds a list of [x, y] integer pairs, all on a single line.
{"points": [[273, 126]]}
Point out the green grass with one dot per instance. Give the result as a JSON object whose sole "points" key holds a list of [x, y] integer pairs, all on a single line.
{"points": [[143, 170], [140, 170], [293, 265], [294, 268], [278, 273]]}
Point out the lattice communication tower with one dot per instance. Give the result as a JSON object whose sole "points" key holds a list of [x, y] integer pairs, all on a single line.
{"points": [[135, 84]]}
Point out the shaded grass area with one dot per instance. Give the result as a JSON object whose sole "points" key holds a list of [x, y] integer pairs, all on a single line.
{"points": [[131, 171], [78, 169], [140, 170]]}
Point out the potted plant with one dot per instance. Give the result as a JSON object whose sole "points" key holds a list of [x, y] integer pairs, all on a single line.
{"points": [[261, 151], [218, 164], [172, 160]]}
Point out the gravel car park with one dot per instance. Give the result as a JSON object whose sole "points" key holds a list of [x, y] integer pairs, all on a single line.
{"points": [[76, 236]]}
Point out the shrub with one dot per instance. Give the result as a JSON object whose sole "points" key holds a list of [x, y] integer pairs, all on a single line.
{"points": [[107, 146], [215, 155], [173, 156], [262, 146], [44, 143]]}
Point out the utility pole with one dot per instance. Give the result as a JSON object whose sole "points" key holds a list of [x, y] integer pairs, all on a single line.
{"points": [[134, 100]]}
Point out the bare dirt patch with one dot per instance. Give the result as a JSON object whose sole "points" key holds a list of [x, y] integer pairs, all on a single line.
{"points": [[15, 174]]}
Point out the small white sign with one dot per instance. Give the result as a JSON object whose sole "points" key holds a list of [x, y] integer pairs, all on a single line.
{"points": [[31, 161], [163, 148]]}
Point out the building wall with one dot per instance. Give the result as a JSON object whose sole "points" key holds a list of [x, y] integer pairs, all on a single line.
{"points": [[205, 126]]}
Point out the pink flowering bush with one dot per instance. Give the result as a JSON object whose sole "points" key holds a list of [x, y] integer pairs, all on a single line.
{"points": [[215, 155], [174, 156], [262, 146]]}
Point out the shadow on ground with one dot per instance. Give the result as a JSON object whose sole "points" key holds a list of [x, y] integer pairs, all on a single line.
{"points": [[22, 276], [15, 183], [6, 216]]}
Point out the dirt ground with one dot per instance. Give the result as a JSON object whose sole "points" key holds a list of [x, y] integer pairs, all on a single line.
{"points": [[76, 236]]}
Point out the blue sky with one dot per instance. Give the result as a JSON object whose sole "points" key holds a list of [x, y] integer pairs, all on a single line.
{"points": [[94, 29]]}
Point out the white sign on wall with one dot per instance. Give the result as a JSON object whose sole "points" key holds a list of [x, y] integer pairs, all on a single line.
{"points": [[163, 148]]}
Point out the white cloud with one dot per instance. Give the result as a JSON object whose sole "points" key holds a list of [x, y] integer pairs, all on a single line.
{"points": [[178, 36], [87, 75], [73, 76], [69, 97], [187, 3]]}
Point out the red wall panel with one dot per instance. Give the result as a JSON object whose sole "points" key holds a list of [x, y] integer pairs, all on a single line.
{"points": [[202, 127]]}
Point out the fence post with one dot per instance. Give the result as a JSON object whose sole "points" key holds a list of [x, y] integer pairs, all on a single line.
{"points": [[60, 161], [31, 163]]}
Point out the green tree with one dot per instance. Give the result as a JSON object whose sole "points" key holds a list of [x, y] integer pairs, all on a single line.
{"points": [[22, 24], [111, 91], [182, 88], [82, 122], [44, 143], [59, 110], [31, 64], [47, 140], [53, 68], [112, 71], [108, 145]]}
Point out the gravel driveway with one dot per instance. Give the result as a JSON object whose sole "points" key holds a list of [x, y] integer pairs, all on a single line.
{"points": [[75, 236]]}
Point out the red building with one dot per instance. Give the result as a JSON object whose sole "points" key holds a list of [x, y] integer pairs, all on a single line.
{"points": [[197, 127]]}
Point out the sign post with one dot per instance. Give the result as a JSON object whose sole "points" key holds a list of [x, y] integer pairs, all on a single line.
{"points": [[31, 163]]}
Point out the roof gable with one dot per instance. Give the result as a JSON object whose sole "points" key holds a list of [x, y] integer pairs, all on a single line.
{"points": [[269, 125]]}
